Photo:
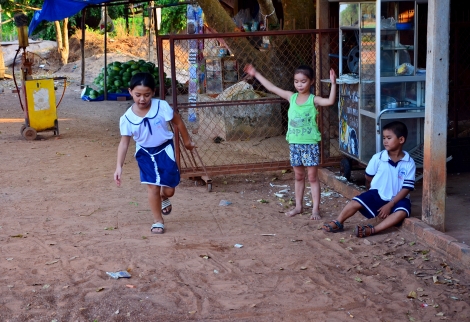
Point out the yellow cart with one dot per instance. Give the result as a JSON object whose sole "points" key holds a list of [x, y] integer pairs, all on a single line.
{"points": [[40, 107]]}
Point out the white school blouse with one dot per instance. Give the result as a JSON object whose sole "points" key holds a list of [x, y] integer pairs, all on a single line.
{"points": [[152, 129]]}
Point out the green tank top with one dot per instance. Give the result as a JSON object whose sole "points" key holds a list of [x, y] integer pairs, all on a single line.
{"points": [[302, 125]]}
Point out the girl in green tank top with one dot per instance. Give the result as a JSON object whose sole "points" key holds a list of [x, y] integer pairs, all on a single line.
{"points": [[302, 131]]}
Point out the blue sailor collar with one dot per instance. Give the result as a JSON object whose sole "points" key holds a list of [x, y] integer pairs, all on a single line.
{"points": [[137, 120], [384, 157]]}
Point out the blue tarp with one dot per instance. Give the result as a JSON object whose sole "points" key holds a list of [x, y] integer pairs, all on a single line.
{"points": [[53, 10]]}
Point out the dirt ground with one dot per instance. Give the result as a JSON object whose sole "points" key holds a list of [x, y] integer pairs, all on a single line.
{"points": [[64, 224]]}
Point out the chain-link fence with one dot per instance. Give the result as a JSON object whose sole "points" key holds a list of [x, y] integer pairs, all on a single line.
{"points": [[237, 125]]}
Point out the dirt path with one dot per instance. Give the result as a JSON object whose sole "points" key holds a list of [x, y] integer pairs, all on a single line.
{"points": [[64, 224]]}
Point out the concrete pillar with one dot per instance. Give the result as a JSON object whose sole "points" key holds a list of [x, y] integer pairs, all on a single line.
{"points": [[435, 129]]}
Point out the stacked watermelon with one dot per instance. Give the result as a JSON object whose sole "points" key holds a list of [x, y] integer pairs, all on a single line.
{"points": [[119, 75]]}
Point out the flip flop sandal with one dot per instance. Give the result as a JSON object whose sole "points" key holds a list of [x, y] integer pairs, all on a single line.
{"points": [[166, 207], [330, 229], [364, 231], [156, 226]]}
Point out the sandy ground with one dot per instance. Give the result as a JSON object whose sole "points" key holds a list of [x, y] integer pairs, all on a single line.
{"points": [[64, 224]]}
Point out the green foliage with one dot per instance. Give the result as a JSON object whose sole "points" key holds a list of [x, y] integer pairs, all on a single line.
{"points": [[135, 26], [173, 18]]}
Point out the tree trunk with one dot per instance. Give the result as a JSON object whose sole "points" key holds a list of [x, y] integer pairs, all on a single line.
{"points": [[267, 10], [279, 61], [2, 65], [62, 38], [218, 19], [2, 62], [298, 14], [65, 34]]}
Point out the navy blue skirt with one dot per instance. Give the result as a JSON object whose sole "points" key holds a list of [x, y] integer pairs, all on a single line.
{"points": [[158, 166]]}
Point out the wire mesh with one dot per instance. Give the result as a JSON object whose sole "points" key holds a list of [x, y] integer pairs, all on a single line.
{"points": [[237, 124]]}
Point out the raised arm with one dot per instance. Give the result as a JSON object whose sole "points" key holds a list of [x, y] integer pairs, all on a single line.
{"points": [[322, 101], [250, 70]]}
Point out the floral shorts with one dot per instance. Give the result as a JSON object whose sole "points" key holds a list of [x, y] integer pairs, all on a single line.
{"points": [[307, 155]]}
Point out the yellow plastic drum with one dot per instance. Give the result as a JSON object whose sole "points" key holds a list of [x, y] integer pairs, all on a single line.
{"points": [[42, 111]]}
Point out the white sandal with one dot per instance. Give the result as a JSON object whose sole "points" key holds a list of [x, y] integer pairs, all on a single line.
{"points": [[157, 225]]}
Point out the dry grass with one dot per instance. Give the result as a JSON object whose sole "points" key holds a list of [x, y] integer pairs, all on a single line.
{"points": [[94, 45]]}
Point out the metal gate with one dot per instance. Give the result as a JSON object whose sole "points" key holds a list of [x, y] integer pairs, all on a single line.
{"points": [[236, 124]]}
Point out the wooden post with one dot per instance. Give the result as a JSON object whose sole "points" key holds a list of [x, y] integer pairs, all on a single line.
{"points": [[82, 47], [2, 62], [435, 129]]}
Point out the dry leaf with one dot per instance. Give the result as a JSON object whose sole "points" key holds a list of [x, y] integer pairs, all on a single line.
{"points": [[358, 279], [376, 264], [435, 279], [99, 289], [412, 295], [50, 263]]}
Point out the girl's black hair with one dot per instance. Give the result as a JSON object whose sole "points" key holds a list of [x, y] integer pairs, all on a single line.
{"points": [[143, 79], [305, 70]]}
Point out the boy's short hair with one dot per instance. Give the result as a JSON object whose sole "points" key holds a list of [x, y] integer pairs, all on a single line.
{"points": [[398, 128]]}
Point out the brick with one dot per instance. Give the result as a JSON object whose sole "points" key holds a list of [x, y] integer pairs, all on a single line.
{"points": [[465, 260], [409, 223], [429, 236], [442, 240], [458, 250], [419, 228]]}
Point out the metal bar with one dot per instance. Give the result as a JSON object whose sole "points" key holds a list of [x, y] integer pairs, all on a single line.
{"points": [[237, 168], [250, 34], [161, 67], [82, 47], [105, 72], [175, 99]]}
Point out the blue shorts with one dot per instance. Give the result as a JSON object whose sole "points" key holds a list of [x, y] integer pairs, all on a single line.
{"points": [[307, 155], [158, 166], [371, 203]]}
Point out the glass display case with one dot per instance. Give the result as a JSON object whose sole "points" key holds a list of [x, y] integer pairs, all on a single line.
{"points": [[380, 79], [214, 76], [221, 72]]}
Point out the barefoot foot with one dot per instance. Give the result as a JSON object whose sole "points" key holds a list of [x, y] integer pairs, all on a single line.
{"points": [[293, 212], [315, 215]]}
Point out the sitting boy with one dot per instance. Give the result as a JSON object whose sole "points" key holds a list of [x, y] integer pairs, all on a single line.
{"points": [[391, 176]]}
